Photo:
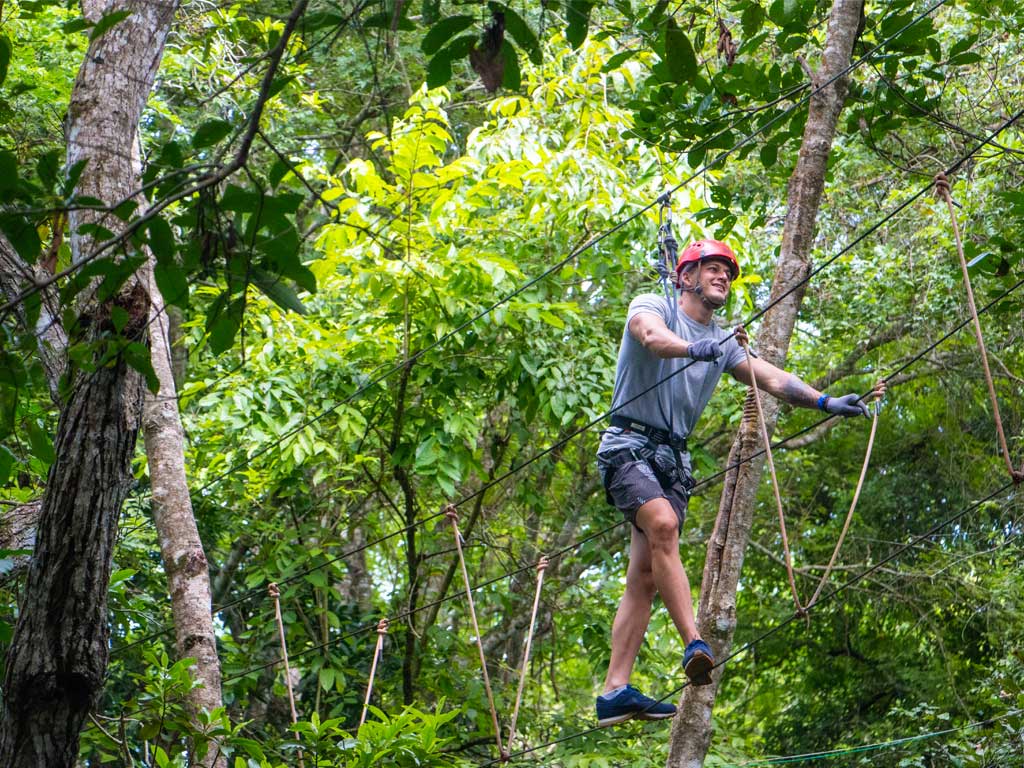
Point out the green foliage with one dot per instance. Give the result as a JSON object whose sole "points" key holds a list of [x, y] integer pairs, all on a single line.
{"points": [[376, 221]]}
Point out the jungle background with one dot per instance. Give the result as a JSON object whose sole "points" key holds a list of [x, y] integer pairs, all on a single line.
{"points": [[341, 373]]}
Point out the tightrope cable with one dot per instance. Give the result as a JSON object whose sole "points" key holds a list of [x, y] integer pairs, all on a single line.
{"points": [[839, 751]]}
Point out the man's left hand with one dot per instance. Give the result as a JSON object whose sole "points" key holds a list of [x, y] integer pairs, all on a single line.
{"points": [[847, 405]]}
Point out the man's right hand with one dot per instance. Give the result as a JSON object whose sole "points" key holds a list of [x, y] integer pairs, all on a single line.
{"points": [[707, 350]]}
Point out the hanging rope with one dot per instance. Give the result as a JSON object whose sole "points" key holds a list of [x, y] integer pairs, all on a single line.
{"points": [[275, 593], [541, 566], [382, 629], [879, 391], [942, 190], [453, 517], [741, 339]]}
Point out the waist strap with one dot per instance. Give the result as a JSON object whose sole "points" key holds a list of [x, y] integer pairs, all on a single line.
{"points": [[654, 434]]}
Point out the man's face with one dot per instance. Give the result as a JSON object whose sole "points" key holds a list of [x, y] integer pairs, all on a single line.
{"points": [[715, 276]]}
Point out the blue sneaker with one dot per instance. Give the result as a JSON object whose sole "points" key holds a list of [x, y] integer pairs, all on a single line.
{"points": [[698, 661], [630, 703]]}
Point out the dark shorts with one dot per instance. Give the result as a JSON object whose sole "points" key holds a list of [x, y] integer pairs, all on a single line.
{"points": [[631, 480]]}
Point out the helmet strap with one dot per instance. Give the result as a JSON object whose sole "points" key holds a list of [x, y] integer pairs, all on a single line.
{"points": [[698, 290]]}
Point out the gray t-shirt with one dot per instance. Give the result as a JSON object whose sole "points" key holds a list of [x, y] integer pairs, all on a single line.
{"points": [[682, 398]]}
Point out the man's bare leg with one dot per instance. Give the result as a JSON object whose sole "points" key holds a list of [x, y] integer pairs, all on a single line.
{"points": [[633, 615], [654, 565]]}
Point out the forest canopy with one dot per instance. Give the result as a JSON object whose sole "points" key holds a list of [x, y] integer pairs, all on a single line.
{"points": [[342, 264]]}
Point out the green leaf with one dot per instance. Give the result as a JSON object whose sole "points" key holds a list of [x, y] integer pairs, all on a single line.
{"points": [[618, 60], [326, 678], [223, 322], [8, 171], [42, 445], [172, 282], [439, 70], [679, 55], [74, 174], [578, 17], [108, 21], [48, 168], [278, 291], [6, 464], [511, 77], [210, 133], [160, 238], [137, 356], [22, 234], [75, 25], [516, 26], [444, 31], [5, 56], [752, 19]]}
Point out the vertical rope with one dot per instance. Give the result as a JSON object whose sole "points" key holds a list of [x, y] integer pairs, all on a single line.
{"points": [[453, 517], [942, 190], [541, 565], [382, 629], [800, 609], [275, 593], [879, 392]]}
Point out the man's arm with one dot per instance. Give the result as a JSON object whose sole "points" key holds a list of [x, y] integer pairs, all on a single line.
{"points": [[650, 330], [777, 382], [791, 389]]}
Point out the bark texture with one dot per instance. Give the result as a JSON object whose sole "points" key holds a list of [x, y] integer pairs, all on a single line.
{"points": [[716, 617], [58, 655], [18, 531], [15, 277], [188, 575]]}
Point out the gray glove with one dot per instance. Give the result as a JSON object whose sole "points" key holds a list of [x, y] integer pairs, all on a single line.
{"points": [[707, 350], [847, 405]]}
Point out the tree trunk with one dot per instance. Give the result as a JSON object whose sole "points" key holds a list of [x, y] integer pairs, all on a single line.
{"points": [[716, 618], [188, 576], [58, 655]]}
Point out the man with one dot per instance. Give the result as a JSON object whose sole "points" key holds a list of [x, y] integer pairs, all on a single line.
{"points": [[644, 461]]}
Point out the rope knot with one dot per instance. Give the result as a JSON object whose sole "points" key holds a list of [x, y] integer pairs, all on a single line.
{"points": [[382, 627], [273, 590], [941, 184], [542, 564], [451, 513]]}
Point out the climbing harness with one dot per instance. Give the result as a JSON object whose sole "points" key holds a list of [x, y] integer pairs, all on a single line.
{"points": [[802, 608], [942, 191], [382, 629], [541, 566], [453, 518], [275, 593]]}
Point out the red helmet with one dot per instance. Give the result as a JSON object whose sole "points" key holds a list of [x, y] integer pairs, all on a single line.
{"points": [[707, 249]]}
